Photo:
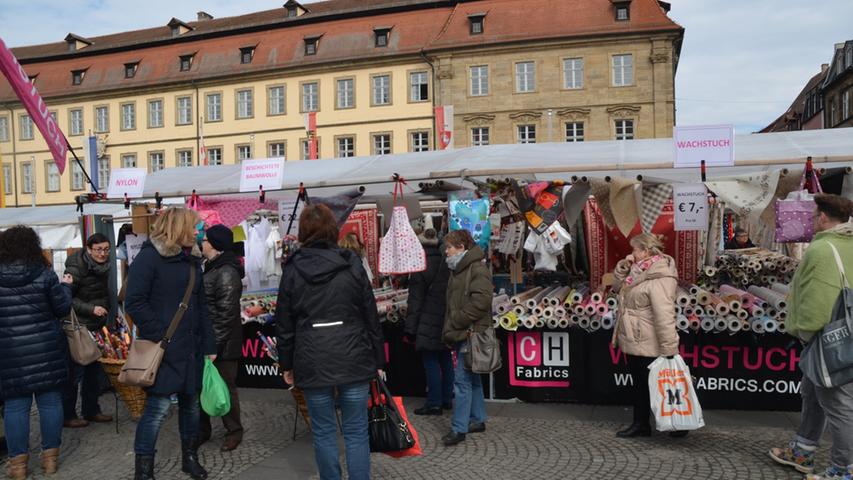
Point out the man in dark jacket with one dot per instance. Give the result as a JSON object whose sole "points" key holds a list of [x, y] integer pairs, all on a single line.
{"points": [[223, 287], [424, 322], [90, 268]]}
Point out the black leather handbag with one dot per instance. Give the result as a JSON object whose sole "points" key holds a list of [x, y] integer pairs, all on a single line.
{"points": [[387, 430]]}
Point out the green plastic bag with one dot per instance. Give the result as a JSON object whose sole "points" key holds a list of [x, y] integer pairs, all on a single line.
{"points": [[215, 398]]}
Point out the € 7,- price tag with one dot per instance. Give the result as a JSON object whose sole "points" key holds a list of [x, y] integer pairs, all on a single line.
{"points": [[690, 202]]}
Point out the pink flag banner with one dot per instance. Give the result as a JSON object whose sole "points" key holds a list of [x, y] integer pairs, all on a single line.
{"points": [[29, 96]]}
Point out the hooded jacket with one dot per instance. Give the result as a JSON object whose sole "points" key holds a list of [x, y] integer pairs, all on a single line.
{"points": [[646, 326], [90, 288], [32, 344], [223, 287], [428, 302], [326, 322], [469, 297], [817, 282], [156, 284]]}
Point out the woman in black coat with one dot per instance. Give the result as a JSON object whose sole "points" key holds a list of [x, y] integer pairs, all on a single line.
{"points": [[329, 339], [156, 284], [32, 346], [424, 322]]}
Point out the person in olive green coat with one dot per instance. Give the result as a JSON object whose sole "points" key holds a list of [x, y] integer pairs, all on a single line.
{"points": [[469, 306]]}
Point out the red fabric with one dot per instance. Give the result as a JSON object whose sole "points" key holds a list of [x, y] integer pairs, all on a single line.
{"points": [[606, 246], [363, 224], [416, 449], [232, 210]]}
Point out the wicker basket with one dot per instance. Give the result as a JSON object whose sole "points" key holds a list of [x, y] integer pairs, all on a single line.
{"points": [[133, 397], [299, 397]]}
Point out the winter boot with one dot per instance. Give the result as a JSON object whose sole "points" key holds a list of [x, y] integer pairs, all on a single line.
{"points": [[144, 467], [48, 460], [189, 460], [16, 468]]}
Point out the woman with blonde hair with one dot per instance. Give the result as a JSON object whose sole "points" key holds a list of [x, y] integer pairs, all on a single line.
{"points": [[645, 328], [156, 284]]}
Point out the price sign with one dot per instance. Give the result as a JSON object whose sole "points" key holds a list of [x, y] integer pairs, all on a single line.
{"points": [[691, 206], [288, 215]]}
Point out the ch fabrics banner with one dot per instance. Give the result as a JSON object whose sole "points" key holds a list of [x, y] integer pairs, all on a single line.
{"points": [[29, 96]]}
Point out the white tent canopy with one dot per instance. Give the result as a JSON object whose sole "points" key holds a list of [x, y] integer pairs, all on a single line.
{"points": [[653, 158], [57, 225]]}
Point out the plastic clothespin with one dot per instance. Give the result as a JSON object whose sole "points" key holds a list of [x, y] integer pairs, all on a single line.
{"points": [[79, 201], [159, 200], [126, 202], [263, 195], [193, 199]]}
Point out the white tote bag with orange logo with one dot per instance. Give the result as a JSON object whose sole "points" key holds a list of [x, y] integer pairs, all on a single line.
{"points": [[674, 400]]}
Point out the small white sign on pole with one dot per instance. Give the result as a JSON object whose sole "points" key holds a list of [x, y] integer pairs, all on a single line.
{"points": [[690, 203], [289, 217], [130, 181], [267, 173], [712, 143], [133, 243]]}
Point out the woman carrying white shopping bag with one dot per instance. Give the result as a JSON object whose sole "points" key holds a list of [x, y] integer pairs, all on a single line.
{"points": [[646, 326]]}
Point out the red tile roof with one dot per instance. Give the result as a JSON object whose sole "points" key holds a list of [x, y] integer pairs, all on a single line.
{"points": [[347, 33], [795, 111]]}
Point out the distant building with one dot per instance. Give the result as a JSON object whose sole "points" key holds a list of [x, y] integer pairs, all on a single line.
{"points": [[805, 113]]}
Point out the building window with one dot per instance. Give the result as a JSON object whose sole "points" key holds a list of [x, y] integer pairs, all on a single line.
{"points": [[419, 141], [245, 104], [26, 127], [310, 97], [213, 107], [186, 62], [53, 178], [7, 179], [479, 136], [185, 158], [311, 46], [246, 54], [305, 147], [27, 177], [276, 150], [77, 77], [4, 129], [78, 181], [275, 99], [128, 116], [102, 119], [244, 152], [155, 113], [476, 24], [292, 12], [622, 13], [845, 105], [527, 134], [525, 77], [345, 93], [573, 73], [75, 122], [624, 129], [214, 156], [185, 110], [345, 147], [574, 131], [130, 69], [418, 87], [128, 160], [156, 161], [832, 113], [479, 80], [381, 90], [103, 173], [623, 70], [381, 37], [382, 144]]}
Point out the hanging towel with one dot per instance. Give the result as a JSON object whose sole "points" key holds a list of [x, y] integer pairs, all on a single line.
{"points": [[401, 252], [747, 196], [601, 191], [654, 197], [623, 204]]}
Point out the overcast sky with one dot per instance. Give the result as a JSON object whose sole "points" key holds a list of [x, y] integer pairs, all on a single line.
{"points": [[743, 61]]}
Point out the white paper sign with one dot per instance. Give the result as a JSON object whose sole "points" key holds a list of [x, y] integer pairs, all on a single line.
{"points": [[267, 173], [133, 243], [130, 181], [286, 214], [690, 203], [712, 143]]}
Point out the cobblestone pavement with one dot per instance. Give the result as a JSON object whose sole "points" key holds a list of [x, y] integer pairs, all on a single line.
{"points": [[521, 442]]}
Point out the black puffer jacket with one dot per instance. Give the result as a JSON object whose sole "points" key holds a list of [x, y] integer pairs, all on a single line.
{"points": [[427, 302], [90, 288], [223, 288], [32, 344], [326, 322]]}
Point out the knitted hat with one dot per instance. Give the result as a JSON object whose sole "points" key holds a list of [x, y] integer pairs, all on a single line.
{"points": [[220, 237]]}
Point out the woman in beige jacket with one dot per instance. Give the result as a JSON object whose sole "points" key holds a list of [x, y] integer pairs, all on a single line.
{"points": [[645, 330]]}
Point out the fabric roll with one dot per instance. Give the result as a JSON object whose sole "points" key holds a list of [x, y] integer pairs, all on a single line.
{"points": [[654, 198], [707, 324], [607, 321], [623, 204], [747, 196], [575, 197], [682, 323], [601, 191]]}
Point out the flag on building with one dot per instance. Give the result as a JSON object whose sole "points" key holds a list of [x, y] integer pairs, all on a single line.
{"points": [[2, 184], [90, 151], [311, 130], [202, 150]]}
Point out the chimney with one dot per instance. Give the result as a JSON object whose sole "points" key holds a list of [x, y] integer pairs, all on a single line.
{"points": [[824, 67], [839, 46], [202, 16]]}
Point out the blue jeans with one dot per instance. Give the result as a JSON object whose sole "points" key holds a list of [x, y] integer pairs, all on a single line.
{"points": [[87, 378], [156, 408], [438, 366], [470, 406], [352, 399], [16, 421]]}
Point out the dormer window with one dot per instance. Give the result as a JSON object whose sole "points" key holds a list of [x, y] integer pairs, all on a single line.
{"points": [[294, 9], [477, 23], [292, 12], [311, 44], [77, 76], [381, 35], [130, 69], [76, 42], [246, 54], [623, 10], [186, 62], [178, 27]]}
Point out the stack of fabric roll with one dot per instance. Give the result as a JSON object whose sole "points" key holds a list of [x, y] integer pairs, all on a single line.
{"points": [[555, 307], [744, 268], [391, 304], [728, 308]]}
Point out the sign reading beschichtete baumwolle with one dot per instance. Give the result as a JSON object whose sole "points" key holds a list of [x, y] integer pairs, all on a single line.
{"points": [[712, 143], [267, 174]]}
